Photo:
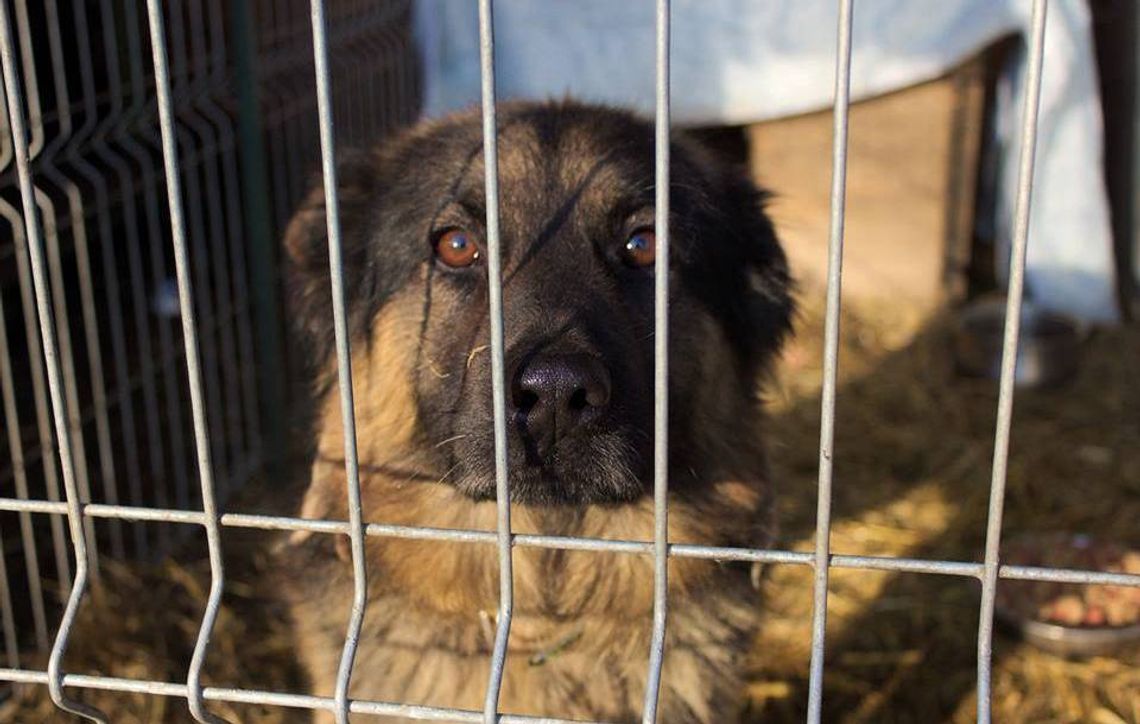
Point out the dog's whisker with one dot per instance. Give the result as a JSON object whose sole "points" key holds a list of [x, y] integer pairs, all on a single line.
{"points": [[430, 364], [453, 438], [446, 475]]}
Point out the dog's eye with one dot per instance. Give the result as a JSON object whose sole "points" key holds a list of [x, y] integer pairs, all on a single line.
{"points": [[640, 248], [456, 248]]}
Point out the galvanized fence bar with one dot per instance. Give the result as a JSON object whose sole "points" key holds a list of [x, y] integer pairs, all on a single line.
{"points": [[660, 370], [498, 365], [211, 136], [38, 147], [7, 615], [236, 279], [1035, 61], [20, 482], [677, 550], [92, 132], [15, 112], [63, 139], [193, 363], [37, 374], [136, 143], [343, 360], [196, 175], [822, 558], [272, 698]]}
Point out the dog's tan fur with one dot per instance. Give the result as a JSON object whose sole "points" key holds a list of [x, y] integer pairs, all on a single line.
{"points": [[582, 618]]}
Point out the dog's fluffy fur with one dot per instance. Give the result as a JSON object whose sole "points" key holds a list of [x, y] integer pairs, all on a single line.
{"points": [[575, 180]]}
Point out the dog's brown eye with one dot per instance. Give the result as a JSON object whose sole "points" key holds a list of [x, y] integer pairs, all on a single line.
{"points": [[456, 248], [640, 248]]}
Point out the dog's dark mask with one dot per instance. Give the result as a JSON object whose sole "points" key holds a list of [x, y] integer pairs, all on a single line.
{"points": [[576, 208]]}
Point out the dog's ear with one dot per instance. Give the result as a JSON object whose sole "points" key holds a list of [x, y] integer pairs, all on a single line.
{"points": [[747, 276], [768, 283], [308, 287]]}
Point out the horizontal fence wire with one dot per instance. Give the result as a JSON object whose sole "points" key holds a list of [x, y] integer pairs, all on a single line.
{"points": [[675, 550], [270, 698]]}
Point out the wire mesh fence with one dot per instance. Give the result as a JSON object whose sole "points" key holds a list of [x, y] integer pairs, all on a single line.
{"points": [[114, 398]]}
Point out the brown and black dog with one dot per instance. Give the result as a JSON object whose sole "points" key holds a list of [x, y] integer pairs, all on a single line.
{"points": [[577, 190]]}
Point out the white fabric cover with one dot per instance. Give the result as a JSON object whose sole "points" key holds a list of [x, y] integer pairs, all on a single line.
{"points": [[742, 61]]}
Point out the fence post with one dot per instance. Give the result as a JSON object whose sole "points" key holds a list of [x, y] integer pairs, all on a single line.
{"points": [[265, 297]]}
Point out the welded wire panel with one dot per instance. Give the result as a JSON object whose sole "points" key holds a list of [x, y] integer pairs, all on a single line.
{"points": [[660, 371], [822, 558], [193, 363], [43, 452], [270, 698], [13, 95], [39, 146], [1036, 58], [344, 361], [7, 616], [195, 178], [554, 542], [135, 172], [35, 593], [498, 365], [50, 167]]}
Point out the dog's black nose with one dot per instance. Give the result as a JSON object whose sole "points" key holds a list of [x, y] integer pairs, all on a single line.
{"points": [[553, 394]]}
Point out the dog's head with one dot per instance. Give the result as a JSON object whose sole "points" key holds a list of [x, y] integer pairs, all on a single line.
{"points": [[578, 248]]}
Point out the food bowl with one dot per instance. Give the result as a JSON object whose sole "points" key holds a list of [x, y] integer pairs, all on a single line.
{"points": [[1048, 349], [1076, 620]]}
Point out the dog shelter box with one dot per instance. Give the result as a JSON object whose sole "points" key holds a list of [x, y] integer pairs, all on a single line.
{"points": [[912, 175]]}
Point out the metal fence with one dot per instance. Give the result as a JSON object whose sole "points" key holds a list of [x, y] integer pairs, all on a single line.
{"points": [[199, 316]]}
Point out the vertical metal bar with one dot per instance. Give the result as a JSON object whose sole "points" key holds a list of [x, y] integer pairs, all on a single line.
{"points": [[63, 325], [20, 478], [830, 360], [1036, 60], [7, 616], [498, 366], [236, 278], [65, 139], [14, 103], [39, 395], [270, 376], [660, 375], [269, 417], [209, 132], [343, 359], [197, 173], [193, 363], [94, 132], [140, 114]]}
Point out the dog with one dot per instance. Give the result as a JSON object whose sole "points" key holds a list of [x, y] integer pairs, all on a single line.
{"points": [[578, 249]]}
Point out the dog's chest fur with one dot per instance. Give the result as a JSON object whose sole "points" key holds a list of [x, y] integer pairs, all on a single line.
{"points": [[579, 639]]}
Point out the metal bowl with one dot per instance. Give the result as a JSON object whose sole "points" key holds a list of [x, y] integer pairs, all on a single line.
{"points": [[1048, 350], [1059, 549], [1075, 641]]}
